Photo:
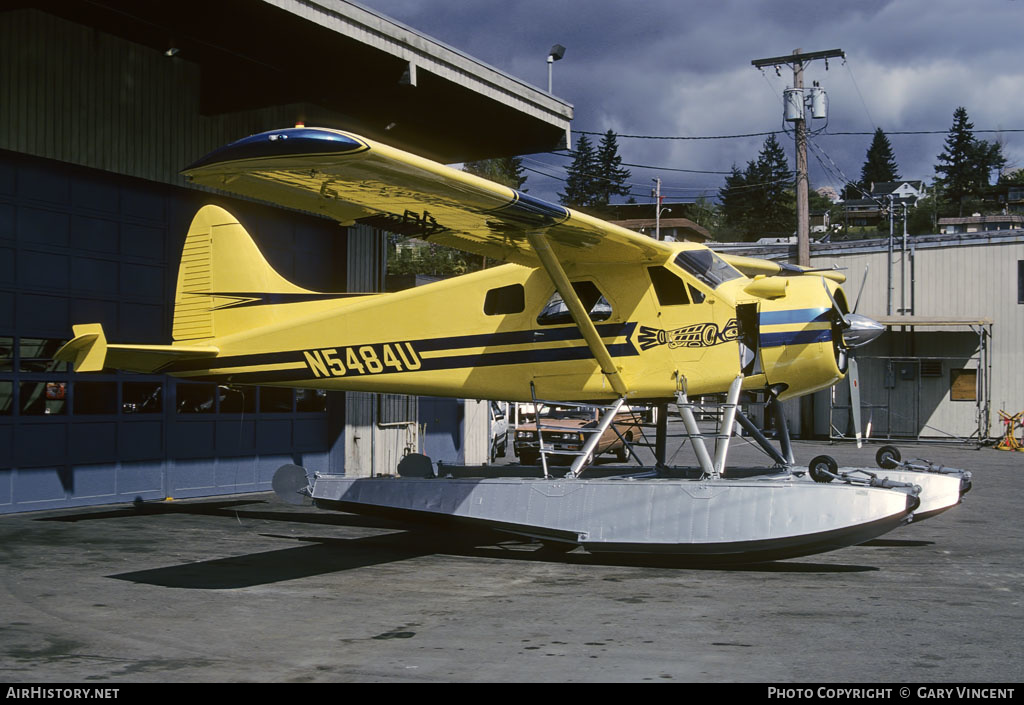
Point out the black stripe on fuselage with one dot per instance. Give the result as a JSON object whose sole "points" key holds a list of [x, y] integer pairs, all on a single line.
{"points": [[453, 362], [482, 340], [246, 298]]}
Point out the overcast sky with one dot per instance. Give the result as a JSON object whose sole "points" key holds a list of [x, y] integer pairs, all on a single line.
{"points": [[682, 68]]}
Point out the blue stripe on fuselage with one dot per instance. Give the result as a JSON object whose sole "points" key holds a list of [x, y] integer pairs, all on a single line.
{"points": [[796, 315], [795, 337]]}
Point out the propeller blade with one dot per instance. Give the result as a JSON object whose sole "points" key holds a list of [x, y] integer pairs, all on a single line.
{"points": [[854, 374], [835, 304], [863, 281]]}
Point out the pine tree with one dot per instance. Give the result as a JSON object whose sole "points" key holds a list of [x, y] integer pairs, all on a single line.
{"points": [[612, 176], [879, 163], [503, 170], [579, 183], [777, 200], [966, 163], [759, 201], [734, 199]]}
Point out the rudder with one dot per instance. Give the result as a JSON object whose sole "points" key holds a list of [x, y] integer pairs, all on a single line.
{"points": [[222, 271]]}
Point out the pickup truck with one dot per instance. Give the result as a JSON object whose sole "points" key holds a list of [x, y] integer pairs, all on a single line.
{"points": [[562, 432]]}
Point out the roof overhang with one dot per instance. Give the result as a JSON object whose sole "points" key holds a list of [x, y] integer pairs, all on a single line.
{"points": [[362, 72]]}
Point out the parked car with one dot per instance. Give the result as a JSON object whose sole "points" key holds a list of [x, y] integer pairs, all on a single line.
{"points": [[499, 429], [563, 431]]}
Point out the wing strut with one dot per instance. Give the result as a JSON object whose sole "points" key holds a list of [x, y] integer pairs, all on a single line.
{"points": [[577, 311]]}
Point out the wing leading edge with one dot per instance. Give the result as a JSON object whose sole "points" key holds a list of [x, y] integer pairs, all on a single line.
{"points": [[356, 180]]}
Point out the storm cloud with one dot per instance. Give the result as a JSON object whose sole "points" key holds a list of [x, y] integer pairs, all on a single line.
{"points": [[683, 69]]}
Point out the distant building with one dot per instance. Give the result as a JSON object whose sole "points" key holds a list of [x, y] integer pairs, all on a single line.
{"points": [[670, 229], [912, 190], [951, 355], [980, 223], [871, 211]]}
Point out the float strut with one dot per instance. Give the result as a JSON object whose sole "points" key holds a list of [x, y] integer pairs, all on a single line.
{"points": [[693, 431], [728, 422], [661, 434], [765, 444], [782, 426]]}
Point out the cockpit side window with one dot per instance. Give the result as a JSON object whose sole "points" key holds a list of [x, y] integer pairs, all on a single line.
{"points": [[505, 300], [556, 312], [669, 288], [706, 266]]}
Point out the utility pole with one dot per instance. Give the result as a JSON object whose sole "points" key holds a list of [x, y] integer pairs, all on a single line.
{"points": [[657, 209], [797, 60]]}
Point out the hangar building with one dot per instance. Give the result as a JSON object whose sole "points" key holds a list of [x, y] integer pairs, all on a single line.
{"points": [[104, 102], [953, 350]]}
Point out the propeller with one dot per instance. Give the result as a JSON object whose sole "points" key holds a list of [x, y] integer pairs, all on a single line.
{"points": [[855, 330]]}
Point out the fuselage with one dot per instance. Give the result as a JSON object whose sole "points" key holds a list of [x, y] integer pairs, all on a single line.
{"points": [[689, 322]]}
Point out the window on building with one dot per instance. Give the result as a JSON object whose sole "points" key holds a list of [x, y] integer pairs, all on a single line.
{"points": [[196, 398], [555, 311], [504, 300], [142, 397], [6, 353], [963, 385], [274, 400], [6, 397], [37, 354], [95, 398], [670, 289], [236, 400], [42, 398], [1020, 281], [310, 400]]}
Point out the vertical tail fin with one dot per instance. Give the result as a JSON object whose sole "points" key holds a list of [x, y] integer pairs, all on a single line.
{"points": [[222, 277]]}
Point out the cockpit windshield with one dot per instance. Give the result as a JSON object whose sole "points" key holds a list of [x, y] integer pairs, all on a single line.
{"points": [[707, 266]]}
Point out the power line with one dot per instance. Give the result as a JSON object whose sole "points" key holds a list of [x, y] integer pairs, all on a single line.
{"points": [[780, 132], [650, 166], [677, 137]]}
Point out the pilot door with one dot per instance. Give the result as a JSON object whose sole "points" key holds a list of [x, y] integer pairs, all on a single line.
{"points": [[692, 326]]}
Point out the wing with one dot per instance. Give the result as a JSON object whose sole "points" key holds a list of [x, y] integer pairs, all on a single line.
{"points": [[356, 180]]}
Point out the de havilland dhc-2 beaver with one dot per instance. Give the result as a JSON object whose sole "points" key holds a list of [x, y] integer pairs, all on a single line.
{"points": [[582, 312]]}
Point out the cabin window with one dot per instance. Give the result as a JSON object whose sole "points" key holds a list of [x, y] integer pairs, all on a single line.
{"points": [[670, 289], [6, 397], [706, 266], [594, 302], [504, 300]]}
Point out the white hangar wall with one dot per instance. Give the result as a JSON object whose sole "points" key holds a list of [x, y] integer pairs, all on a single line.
{"points": [[951, 278]]}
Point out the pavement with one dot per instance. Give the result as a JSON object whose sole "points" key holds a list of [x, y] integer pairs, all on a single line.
{"points": [[245, 589]]}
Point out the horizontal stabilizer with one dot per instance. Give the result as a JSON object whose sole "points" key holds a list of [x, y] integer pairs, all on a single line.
{"points": [[90, 352]]}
